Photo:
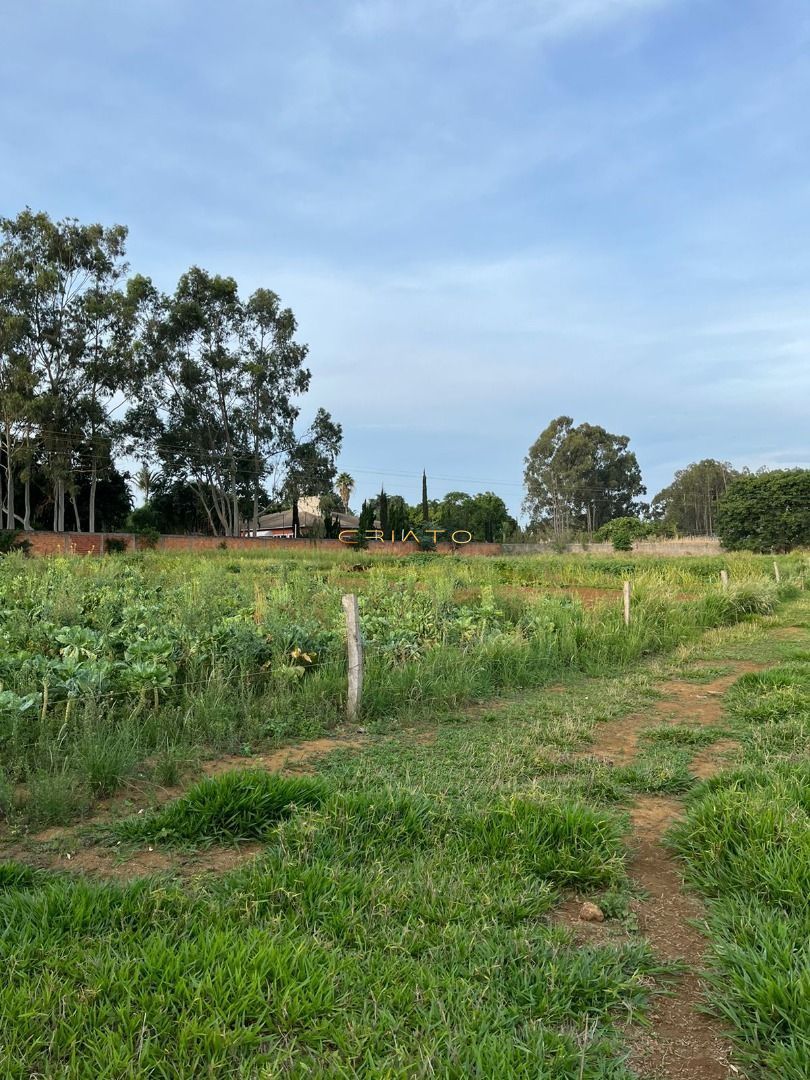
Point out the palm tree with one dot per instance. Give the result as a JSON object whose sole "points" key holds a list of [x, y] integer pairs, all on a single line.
{"points": [[345, 486], [145, 481]]}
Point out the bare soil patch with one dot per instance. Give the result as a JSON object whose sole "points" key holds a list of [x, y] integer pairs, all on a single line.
{"points": [[113, 864], [290, 759], [65, 848], [682, 703], [683, 1043]]}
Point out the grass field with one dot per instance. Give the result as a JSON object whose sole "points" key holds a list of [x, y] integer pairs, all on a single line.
{"points": [[110, 666], [406, 904]]}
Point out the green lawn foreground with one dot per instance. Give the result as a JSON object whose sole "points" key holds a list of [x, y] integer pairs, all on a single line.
{"points": [[397, 923]]}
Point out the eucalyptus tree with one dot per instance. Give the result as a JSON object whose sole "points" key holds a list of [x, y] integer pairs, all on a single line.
{"points": [[17, 386], [579, 477], [17, 417], [690, 501], [187, 409], [218, 383], [272, 377], [105, 369], [60, 287], [311, 468]]}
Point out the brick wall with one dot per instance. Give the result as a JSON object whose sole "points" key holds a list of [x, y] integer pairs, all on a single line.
{"points": [[687, 545], [72, 543]]}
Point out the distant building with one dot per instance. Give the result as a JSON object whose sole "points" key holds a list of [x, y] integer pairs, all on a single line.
{"points": [[310, 520]]}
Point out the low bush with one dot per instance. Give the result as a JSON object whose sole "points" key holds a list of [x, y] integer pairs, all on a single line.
{"points": [[147, 538]]}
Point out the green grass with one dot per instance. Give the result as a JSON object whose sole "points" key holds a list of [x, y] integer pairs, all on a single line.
{"points": [[702, 673], [749, 831], [658, 771], [400, 919], [148, 981], [684, 736], [383, 934]]}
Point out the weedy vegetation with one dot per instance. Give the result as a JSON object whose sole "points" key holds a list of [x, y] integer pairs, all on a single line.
{"points": [[400, 920], [109, 663]]}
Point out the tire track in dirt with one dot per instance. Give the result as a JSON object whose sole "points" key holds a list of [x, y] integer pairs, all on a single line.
{"points": [[682, 1043]]}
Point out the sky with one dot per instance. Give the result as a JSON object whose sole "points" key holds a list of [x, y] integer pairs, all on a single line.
{"points": [[484, 213]]}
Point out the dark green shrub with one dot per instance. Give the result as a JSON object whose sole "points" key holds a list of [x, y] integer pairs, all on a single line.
{"points": [[11, 540], [769, 512], [115, 545], [623, 531], [143, 519], [622, 537]]}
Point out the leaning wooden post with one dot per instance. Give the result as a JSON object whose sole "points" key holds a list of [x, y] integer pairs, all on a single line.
{"points": [[355, 651], [627, 603], [776, 573], [724, 579]]}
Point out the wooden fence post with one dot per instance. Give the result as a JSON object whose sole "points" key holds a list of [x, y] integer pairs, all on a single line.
{"points": [[776, 573], [355, 650], [724, 579], [627, 603]]}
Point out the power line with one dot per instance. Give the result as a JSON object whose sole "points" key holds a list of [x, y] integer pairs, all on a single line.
{"points": [[215, 458]]}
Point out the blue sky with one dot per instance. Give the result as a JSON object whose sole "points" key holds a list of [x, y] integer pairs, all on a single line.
{"points": [[485, 213]]}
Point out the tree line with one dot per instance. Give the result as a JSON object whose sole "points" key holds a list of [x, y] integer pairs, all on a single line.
{"points": [[585, 480], [202, 384]]}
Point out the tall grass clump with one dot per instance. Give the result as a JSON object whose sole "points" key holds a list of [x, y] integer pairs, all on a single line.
{"points": [[564, 842], [751, 834], [239, 805]]}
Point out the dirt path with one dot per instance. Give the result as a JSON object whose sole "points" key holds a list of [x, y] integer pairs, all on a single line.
{"points": [[682, 1043]]}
